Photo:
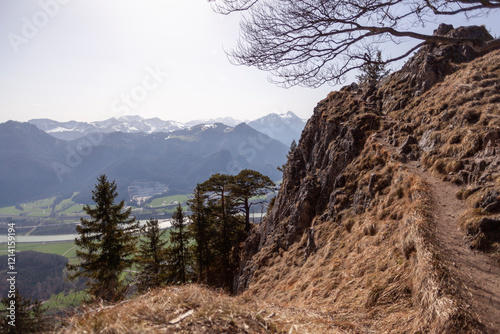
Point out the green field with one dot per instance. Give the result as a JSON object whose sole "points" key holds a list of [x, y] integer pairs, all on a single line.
{"points": [[65, 248], [10, 210], [67, 208], [168, 200]]}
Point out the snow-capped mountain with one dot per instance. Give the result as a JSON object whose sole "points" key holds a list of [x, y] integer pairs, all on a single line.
{"points": [[224, 120], [127, 124], [284, 127], [176, 160]]}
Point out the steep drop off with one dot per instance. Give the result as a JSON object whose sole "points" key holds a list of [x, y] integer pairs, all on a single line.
{"points": [[356, 231]]}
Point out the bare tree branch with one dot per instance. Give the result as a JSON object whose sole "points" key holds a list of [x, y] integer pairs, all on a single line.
{"points": [[312, 42]]}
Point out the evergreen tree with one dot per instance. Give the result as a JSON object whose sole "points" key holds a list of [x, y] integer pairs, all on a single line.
{"points": [[152, 257], [29, 315], [228, 228], [178, 252], [373, 70], [202, 232], [247, 184], [107, 243], [218, 227]]}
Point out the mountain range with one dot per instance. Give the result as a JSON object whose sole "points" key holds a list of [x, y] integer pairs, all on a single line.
{"points": [[283, 127], [37, 164]]}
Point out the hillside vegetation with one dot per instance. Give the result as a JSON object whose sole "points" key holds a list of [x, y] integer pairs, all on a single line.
{"points": [[355, 229], [387, 192]]}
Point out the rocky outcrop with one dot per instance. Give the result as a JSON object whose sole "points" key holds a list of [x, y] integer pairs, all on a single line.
{"points": [[344, 186]]}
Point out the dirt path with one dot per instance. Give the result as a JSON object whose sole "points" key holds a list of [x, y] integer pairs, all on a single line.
{"points": [[477, 274]]}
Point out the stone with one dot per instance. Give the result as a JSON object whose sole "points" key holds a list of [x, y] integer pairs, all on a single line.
{"points": [[406, 148]]}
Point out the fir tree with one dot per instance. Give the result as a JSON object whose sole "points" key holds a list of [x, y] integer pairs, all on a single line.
{"points": [[178, 252], [373, 70], [107, 243], [152, 257]]}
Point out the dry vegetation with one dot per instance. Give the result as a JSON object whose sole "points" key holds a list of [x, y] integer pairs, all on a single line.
{"points": [[457, 125], [184, 309], [197, 309], [376, 269], [377, 265]]}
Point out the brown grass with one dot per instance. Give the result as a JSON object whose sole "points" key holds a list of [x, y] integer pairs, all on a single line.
{"points": [[377, 269], [212, 312], [377, 263]]}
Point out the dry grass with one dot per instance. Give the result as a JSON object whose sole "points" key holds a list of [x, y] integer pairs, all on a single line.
{"points": [[206, 311], [375, 268], [458, 121]]}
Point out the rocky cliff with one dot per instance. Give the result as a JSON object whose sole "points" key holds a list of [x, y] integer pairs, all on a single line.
{"points": [[389, 189]]}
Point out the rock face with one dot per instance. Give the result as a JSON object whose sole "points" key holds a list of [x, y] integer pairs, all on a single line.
{"points": [[344, 188]]}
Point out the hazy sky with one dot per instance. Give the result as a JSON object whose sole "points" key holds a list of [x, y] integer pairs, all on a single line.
{"points": [[92, 59]]}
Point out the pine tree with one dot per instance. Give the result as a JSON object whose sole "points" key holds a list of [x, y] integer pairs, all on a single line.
{"points": [[178, 252], [201, 231], [247, 184], [107, 243], [228, 228], [152, 257]]}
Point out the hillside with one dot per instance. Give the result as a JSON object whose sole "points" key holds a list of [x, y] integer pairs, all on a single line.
{"points": [[361, 226], [387, 220]]}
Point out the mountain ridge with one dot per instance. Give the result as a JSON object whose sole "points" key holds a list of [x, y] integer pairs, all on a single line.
{"points": [[353, 227], [34, 164], [283, 127]]}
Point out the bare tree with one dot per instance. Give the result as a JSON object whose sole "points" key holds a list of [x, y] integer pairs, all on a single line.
{"points": [[311, 42]]}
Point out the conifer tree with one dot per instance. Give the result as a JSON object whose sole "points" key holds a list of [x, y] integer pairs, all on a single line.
{"points": [[228, 227], [293, 147], [373, 70], [247, 184], [217, 225], [152, 257], [201, 231], [178, 252], [107, 243]]}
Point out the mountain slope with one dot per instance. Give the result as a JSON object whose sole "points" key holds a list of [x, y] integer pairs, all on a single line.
{"points": [[34, 164], [353, 228], [26, 157]]}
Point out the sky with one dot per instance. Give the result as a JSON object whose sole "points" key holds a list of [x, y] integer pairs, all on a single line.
{"points": [[90, 60]]}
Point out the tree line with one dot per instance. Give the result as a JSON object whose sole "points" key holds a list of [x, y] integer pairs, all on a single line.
{"points": [[117, 255]]}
